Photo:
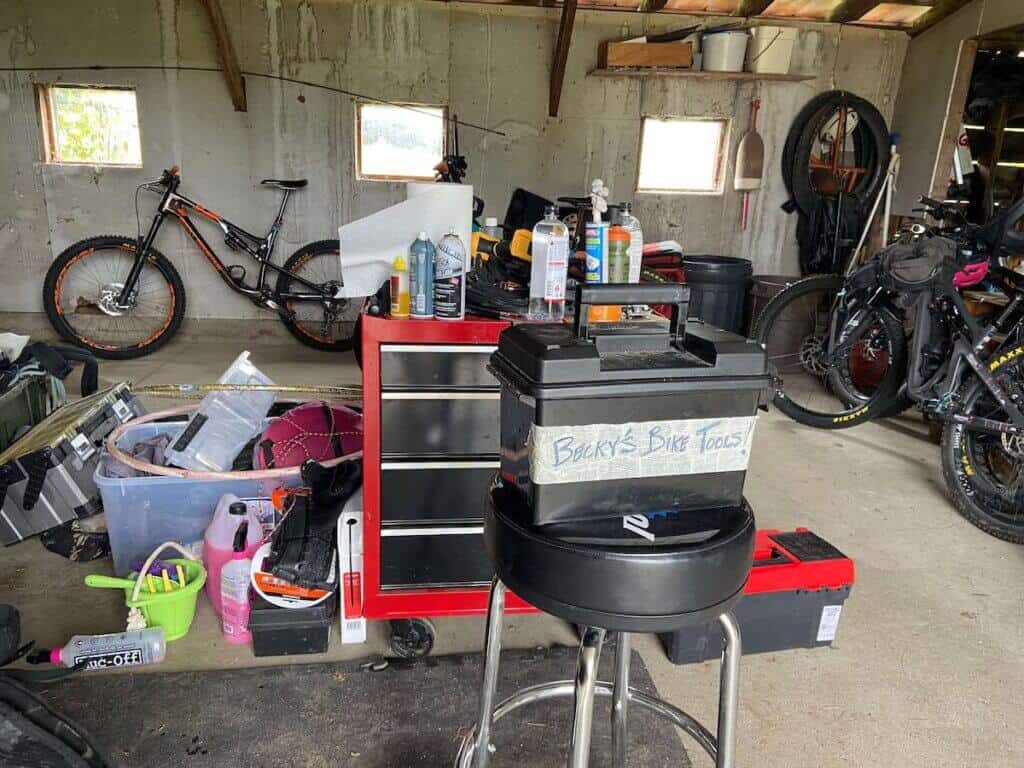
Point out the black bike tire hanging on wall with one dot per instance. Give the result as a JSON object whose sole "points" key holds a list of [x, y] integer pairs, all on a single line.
{"points": [[871, 147]]}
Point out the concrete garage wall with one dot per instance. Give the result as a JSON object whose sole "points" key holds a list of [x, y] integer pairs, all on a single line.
{"points": [[489, 64]]}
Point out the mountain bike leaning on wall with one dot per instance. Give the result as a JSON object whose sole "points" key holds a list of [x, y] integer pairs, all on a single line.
{"points": [[119, 297], [964, 371]]}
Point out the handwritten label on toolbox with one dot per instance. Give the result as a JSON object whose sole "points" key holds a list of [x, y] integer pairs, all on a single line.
{"points": [[590, 452]]}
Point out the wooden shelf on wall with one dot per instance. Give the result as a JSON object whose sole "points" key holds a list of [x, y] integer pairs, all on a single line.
{"points": [[694, 74]]}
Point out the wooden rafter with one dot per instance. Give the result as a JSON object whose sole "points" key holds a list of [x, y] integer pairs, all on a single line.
{"points": [[226, 54], [937, 13], [851, 10], [561, 55], [751, 7]]}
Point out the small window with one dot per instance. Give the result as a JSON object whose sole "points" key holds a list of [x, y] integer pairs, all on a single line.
{"points": [[91, 125], [399, 142], [682, 155]]}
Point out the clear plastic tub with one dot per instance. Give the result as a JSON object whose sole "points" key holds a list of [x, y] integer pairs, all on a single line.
{"points": [[224, 423], [144, 511]]}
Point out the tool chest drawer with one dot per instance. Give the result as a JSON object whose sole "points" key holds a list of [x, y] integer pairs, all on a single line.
{"points": [[433, 557], [435, 491], [439, 424], [436, 366]]}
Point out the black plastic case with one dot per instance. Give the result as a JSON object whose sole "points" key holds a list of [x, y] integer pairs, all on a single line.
{"points": [[649, 374], [290, 631]]}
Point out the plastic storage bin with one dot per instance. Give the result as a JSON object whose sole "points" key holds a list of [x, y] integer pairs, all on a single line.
{"points": [[144, 511], [627, 418], [224, 423], [770, 49], [724, 51]]}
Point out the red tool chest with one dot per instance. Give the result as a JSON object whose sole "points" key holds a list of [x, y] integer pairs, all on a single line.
{"points": [[431, 437]]}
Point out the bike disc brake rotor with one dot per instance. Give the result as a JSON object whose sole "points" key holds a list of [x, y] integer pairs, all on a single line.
{"points": [[812, 350], [107, 302], [1013, 445]]}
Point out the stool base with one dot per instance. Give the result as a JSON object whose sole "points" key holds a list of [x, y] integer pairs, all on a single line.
{"points": [[476, 748]]}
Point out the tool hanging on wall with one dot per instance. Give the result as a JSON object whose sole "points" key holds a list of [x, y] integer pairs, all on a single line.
{"points": [[749, 163]]}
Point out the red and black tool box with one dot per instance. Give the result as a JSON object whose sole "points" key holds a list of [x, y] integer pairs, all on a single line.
{"points": [[793, 599]]}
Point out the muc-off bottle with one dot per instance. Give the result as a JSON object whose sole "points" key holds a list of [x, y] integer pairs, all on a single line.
{"points": [[450, 278], [421, 277], [122, 649]]}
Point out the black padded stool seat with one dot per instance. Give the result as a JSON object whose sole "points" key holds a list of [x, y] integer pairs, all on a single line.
{"points": [[289, 184], [620, 587]]}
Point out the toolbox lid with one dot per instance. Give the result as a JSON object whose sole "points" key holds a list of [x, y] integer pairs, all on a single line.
{"points": [[530, 355]]}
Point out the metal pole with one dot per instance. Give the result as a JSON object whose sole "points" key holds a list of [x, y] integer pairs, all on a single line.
{"points": [[492, 660], [586, 677], [728, 692], [620, 701]]}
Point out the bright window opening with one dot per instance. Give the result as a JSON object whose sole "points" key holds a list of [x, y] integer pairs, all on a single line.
{"points": [[681, 155], [90, 125], [399, 143]]}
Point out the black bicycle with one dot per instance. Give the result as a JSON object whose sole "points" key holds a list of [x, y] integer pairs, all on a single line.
{"points": [[121, 298], [963, 366]]}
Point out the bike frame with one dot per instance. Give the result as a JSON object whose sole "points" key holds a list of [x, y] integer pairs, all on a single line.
{"points": [[259, 248], [970, 350]]}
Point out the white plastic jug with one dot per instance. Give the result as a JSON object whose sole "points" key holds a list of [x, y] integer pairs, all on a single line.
{"points": [[217, 543]]}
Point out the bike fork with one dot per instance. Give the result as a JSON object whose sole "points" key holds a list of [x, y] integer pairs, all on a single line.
{"points": [[142, 250]]}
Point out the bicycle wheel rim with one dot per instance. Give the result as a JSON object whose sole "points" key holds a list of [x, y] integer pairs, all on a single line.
{"points": [[312, 318], [996, 464], [85, 291], [811, 378]]}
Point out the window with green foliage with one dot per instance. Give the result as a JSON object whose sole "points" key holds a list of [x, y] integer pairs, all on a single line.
{"points": [[399, 142], [91, 125]]}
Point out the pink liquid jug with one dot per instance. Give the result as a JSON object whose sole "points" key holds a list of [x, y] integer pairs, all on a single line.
{"points": [[218, 543]]}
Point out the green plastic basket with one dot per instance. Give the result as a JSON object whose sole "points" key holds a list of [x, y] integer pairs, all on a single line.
{"points": [[172, 610]]}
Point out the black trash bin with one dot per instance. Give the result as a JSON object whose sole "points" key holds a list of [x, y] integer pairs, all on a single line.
{"points": [[718, 289]]}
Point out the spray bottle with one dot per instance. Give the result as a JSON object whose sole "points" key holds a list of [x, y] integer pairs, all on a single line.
{"points": [[234, 590], [114, 651], [400, 289]]}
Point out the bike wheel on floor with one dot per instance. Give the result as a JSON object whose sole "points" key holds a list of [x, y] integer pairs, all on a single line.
{"points": [[322, 325], [826, 375], [81, 290], [984, 473]]}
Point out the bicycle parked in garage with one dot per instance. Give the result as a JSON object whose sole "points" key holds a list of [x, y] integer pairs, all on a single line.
{"points": [[121, 298], [839, 349]]}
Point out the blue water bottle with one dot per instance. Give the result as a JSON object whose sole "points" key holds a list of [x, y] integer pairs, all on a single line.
{"points": [[421, 277]]}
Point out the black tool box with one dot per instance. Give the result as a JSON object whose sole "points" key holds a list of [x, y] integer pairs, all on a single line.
{"points": [[280, 631], [793, 599], [627, 418]]}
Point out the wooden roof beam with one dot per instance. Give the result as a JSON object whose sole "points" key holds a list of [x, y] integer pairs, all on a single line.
{"points": [[651, 6], [561, 55], [751, 7], [851, 10], [226, 54]]}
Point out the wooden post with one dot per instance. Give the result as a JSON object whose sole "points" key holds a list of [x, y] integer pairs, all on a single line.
{"points": [[226, 54], [954, 118], [561, 55]]}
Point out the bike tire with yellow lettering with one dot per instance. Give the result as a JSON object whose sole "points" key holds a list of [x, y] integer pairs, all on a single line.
{"points": [[984, 473]]}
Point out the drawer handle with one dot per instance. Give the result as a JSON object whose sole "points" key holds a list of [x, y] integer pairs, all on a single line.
{"points": [[495, 395], [451, 348], [463, 531], [403, 465]]}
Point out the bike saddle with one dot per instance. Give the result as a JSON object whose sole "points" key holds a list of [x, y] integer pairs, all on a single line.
{"points": [[285, 184]]}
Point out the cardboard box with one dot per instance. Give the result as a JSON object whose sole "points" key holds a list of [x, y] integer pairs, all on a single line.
{"points": [[646, 55]]}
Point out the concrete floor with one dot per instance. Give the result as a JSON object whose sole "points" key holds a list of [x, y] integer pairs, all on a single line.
{"points": [[926, 670]]}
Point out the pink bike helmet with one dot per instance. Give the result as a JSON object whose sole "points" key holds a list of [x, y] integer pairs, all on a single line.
{"points": [[316, 430]]}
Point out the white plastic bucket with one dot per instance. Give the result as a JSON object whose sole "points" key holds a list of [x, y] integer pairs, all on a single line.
{"points": [[770, 49], [724, 51]]}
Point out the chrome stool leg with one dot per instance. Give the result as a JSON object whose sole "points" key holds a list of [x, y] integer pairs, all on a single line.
{"points": [[474, 754], [492, 661], [586, 679], [620, 700], [728, 691]]}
